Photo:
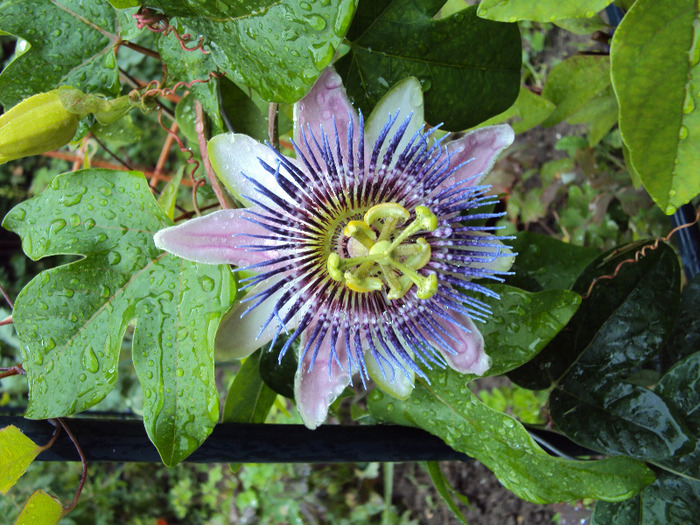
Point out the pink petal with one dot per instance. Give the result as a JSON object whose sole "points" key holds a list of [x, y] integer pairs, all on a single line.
{"points": [[468, 343], [316, 389], [238, 337], [327, 101], [483, 145], [218, 238]]}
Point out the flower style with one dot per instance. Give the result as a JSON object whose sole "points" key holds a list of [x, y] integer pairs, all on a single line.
{"points": [[364, 245]]}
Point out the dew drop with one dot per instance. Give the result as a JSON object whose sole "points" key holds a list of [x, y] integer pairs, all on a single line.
{"points": [[90, 362], [207, 283], [38, 357], [316, 22], [114, 258], [179, 372], [56, 226], [683, 133]]}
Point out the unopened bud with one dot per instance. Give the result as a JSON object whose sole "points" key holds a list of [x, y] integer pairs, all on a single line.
{"points": [[36, 125]]}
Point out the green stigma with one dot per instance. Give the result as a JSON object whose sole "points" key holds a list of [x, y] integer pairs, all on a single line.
{"points": [[389, 260]]}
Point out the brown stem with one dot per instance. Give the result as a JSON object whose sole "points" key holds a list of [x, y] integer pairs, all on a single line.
{"points": [[112, 154], [138, 48], [83, 461], [202, 141], [16, 370], [164, 154], [7, 298], [56, 433]]}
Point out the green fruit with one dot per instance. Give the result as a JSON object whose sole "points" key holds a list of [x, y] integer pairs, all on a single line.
{"points": [[36, 125]]}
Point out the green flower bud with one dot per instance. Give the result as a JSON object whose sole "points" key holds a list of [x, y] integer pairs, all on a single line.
{"points": [[36, 125]]}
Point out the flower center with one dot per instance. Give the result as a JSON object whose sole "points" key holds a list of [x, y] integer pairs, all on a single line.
{"points": [[387, 257]]}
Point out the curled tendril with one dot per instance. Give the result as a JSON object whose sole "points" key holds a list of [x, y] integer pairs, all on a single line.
{"points": [[145, 18], [639, 254]]}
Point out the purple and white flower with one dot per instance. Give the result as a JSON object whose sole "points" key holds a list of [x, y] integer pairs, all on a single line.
{"points": [[364, 246]]}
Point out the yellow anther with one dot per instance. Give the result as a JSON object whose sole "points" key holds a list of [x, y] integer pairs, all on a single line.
{"points": [[426, 218], [362, 233], [387, 210]]}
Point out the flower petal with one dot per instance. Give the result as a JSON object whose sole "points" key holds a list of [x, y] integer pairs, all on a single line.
{"points": [[234, 155], [406, 97], [392, 380], [468, 343], [218, 238], [316, 389], [327, 101], [238, 337], [482, 146]]}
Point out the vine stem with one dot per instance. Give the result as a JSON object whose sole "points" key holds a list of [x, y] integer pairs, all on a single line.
{"points": [[70, 157], [164, 154], [83, 461], [202, 141], [7, 298], [138, 48], [272, 127]]}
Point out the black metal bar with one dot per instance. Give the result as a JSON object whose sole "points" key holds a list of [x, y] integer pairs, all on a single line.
{"points": [[110, 440], [126, 440]]}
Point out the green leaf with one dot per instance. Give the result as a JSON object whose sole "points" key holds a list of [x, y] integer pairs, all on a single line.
{"points": [[523, 323], [574, 82], [193, 67], [582, 26], [655, 55], [528, 111], [449, 410], [73, 45], [630, 420], [442, 486], [241, 114], [41, 509], [636, 308], [685, 336], [670, 500], [279, 375], [72, 319], [18, 451], [211, 8], [167, 197], [279, 50], [540, 11], [547, 263], [249, 399], [393, 39], [680, 387]]}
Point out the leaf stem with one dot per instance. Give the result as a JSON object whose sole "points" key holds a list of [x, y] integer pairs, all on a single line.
{"points": [[138, 48], [272, 125]]}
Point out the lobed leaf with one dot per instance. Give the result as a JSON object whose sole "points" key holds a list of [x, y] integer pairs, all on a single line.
{"points": [[655, 54], [540, 11], [73, 45], [17, 452], [71, 319], [393, 39], [280, 49]]}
